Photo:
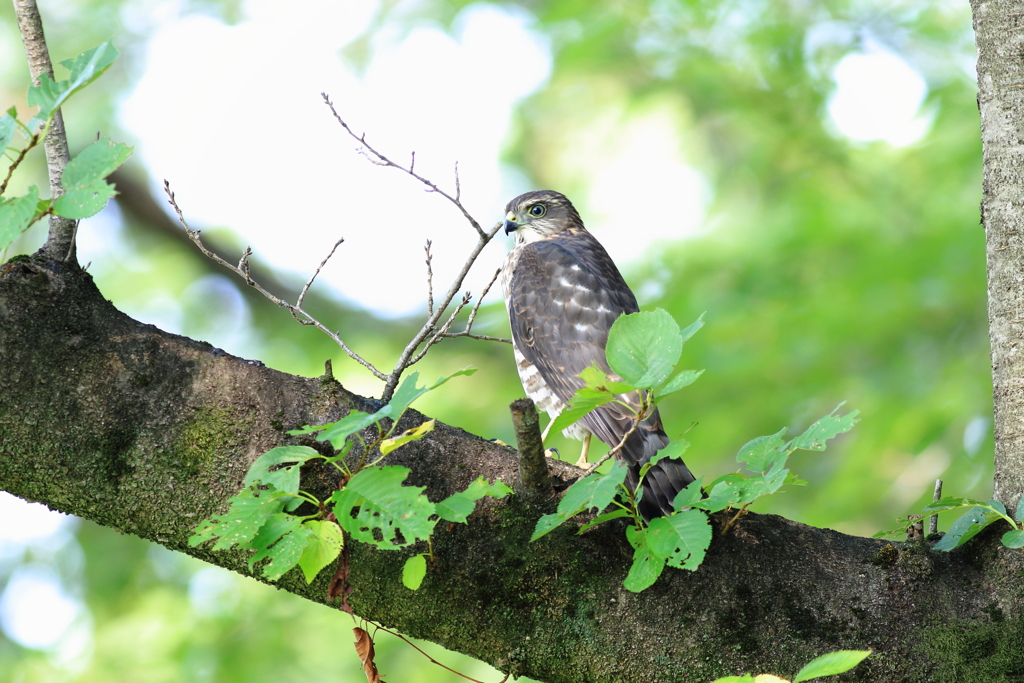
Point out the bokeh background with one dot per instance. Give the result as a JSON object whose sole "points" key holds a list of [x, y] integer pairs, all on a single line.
{"points": [[808, 174]]}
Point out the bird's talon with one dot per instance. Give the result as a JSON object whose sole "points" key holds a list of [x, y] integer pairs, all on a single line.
{"points": [[551, 452]]}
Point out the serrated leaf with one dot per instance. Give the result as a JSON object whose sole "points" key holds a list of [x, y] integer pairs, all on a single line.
{"points": [[282, 539], [724, 494], [647, 565], [595, 491], [644, 347], [322, 547], [831, 664], [949, 503], [94, 163], [16, 215], [414, 434], [413, 571], [579, 405], [1013, 539], [458, 506], [683, 379], [50, 95], [824, 429], [601, 519], [375, 508], [250, 510], [287, 460], [969, 525], [689, 495], [757, 453], [681, 538]]}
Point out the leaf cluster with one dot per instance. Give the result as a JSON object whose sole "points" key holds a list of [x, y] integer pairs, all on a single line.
{"points": [[643, 353], [977, 517], [371, 505], [85, 190]]}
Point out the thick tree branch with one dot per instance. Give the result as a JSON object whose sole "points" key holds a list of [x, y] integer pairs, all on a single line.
{"points": [[149, 432], [61, 241]]}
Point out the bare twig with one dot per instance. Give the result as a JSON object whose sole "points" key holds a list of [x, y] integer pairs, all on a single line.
{"points": [[413, 645], [933, 521], [640, 417], [430, 274], [242, 270], [61, 241], [32, 142], [472, 316], [382, 160], [309, 282], [443, 331]]}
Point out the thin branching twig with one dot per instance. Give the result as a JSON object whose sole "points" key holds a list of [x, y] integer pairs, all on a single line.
{"points": [[32, 142], [430, 273], [242, 270]]}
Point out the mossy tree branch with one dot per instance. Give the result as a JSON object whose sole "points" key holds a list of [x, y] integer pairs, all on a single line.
{"points": [[149, 432]]}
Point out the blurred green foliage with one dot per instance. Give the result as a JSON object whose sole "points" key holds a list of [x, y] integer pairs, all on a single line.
{"points": [[829, 271]]}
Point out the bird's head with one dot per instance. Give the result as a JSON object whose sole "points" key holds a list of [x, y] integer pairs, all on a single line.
{"points": [[539, 215]]}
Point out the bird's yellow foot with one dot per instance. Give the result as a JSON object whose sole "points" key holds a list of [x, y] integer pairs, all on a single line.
{"points": [[551, 452]]}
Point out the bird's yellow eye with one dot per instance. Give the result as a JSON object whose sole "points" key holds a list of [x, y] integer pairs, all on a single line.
{"points": [[538, 210]]}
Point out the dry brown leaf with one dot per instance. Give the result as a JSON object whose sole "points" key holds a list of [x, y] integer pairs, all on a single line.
{"points": [[364, 648]]}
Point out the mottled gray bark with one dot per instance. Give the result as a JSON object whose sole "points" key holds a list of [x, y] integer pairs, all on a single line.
{"points": [[61, 241], [149, 432]]}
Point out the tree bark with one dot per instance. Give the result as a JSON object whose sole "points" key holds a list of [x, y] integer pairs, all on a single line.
{"points": [[999, 31], [149, 432]]}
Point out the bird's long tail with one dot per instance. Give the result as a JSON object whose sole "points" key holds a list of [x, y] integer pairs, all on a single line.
{"points": [[664, 480]]}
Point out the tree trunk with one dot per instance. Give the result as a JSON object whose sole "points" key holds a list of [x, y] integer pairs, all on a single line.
{"points": [[999, 31], [148, 432]]}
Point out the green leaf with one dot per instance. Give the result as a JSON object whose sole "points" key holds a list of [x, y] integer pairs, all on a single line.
{"points": [[675, 450], [596, 379], [8, 124], [647, 565], [413, 571], [996, 505], [691, 329], [949, 503], [50, 95], [759, 454], [969, 525], [458, 506], [688, 496], [250, 510], [644, 347], [356, 421], [287, 460], [579, 405], [831, 664], [746, 678], [682, 538], [1014, 539], [824, 429], [85, 190], [16, 215], [375, 508], [282, 539], [724, 494], [595, 491], [606, 517], [408, 392], [414, 434], [683, 379], [1020, 511], [322, 548]]}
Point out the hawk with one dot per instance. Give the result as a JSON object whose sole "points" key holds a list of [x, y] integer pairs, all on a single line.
{"points": [[563, 292]]}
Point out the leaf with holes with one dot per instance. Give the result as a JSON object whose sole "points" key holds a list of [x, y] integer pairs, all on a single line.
{"points": [[377, 509]]}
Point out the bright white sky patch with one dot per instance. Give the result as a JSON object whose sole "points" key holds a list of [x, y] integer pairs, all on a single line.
{"points": [[232, 116], [877, 97], [35, 610]]}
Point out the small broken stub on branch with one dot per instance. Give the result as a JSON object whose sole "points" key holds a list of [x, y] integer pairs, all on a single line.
{"points": [[533, 482]]}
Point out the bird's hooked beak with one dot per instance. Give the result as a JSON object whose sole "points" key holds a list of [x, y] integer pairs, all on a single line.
{"points": [[510, 223]]}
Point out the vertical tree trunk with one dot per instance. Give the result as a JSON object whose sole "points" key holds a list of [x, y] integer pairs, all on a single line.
{"points": [[999, 31]]}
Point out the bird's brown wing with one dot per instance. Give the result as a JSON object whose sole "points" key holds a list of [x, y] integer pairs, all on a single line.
{"points": [[564, 295]]}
